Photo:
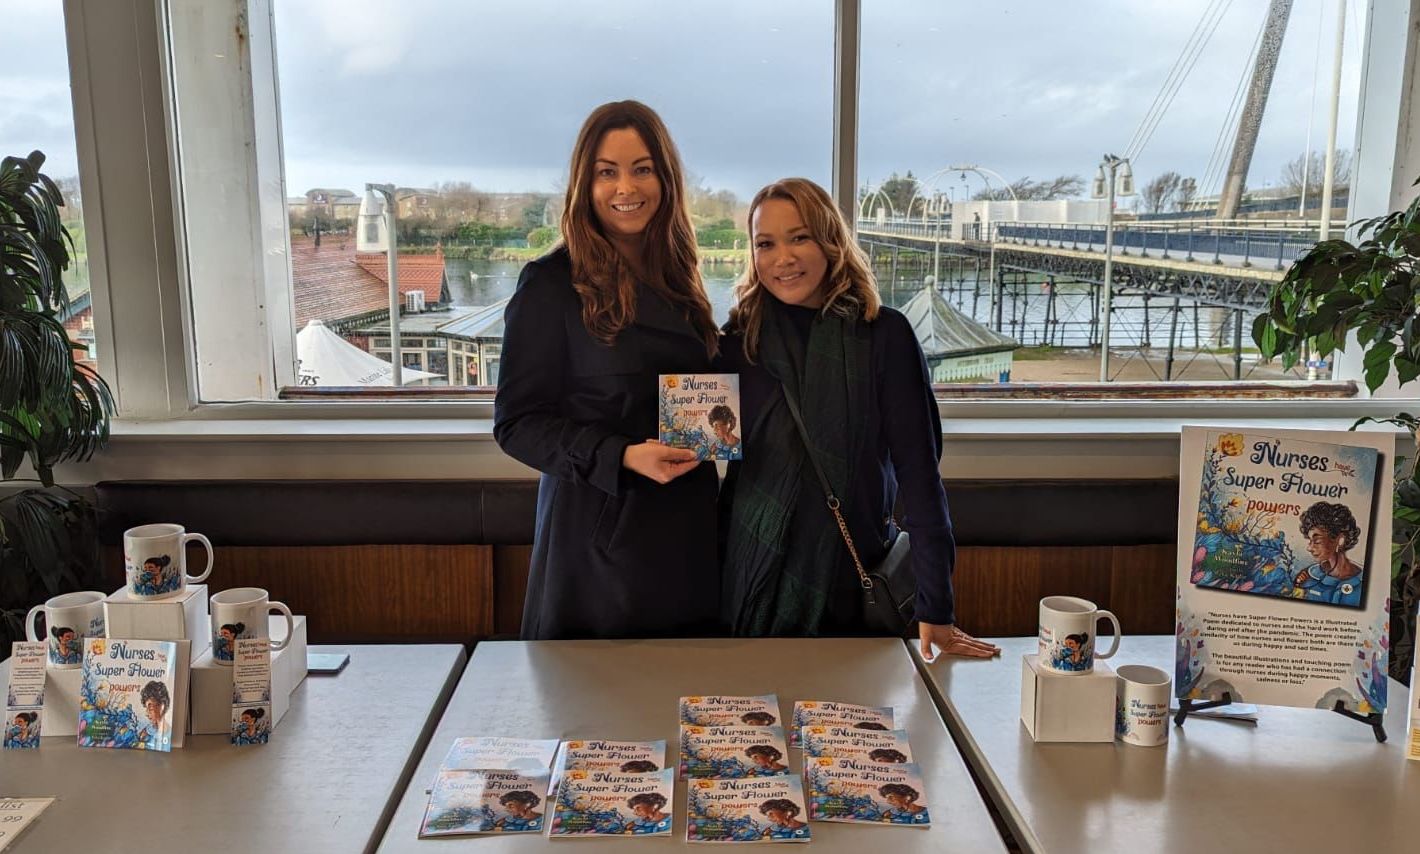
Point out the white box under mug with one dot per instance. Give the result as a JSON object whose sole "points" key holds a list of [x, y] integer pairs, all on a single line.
{"points": [[1055, 707], [212, 683], [241, 614], [68, 619], [181, 617], [1067, 634], [1141, 714], [155, 560]]}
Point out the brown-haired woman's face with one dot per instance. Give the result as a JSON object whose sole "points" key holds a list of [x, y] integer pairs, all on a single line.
{"points": [[625, 190], [787, 259]]}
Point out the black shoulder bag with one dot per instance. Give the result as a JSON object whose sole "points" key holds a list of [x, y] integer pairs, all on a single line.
{"points": [[889, 589]]}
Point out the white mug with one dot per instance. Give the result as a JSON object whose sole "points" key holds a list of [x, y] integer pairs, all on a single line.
{"points": [[1141, 705], [155, 560], [239, 614], [1067, 634], [68, 619]]}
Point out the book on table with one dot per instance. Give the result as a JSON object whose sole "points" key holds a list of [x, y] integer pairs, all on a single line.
{"points": [[807, 712], [610, 803], [723, 710], [863, 791], [768, 809], [839, 740], [732, 751], [486, 801], [130, 693], [625, 757]]}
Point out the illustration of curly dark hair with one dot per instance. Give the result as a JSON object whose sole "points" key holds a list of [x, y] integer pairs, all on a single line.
{"points": [[722, 414], [638, 766], [874, 725], [654, 800], [160, 561], [155, 691], [1335, 519], [757, 718], [256, 714], [521, 796], [887, 754], [902, 790], [27, 717], [61, 631], [784, 805], [765, 750]]}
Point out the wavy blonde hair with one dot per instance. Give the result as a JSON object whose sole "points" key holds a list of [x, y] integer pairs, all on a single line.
{"points": [[849, 287], [602, 278]]}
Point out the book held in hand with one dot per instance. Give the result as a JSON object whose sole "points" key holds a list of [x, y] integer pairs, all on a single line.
{"points": [[859, 790], [466, 802], [760, 810], [701, 412], [733, 751]]}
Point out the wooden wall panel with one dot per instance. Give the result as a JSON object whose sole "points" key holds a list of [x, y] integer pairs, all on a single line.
{"points": [[510, 585], [371, 593], [1143, 587]]}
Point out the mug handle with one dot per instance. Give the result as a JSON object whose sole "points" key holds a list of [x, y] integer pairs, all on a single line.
{"points": [[30, 624], [290, 625], [206, 544], [1113, 647]]}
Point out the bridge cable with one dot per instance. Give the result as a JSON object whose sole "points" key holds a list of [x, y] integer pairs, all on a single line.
{"points": [[1172, 71], [1184, 66]]}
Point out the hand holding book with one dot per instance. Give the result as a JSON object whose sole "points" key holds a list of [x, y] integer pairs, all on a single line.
{"points": [[659, 462]]}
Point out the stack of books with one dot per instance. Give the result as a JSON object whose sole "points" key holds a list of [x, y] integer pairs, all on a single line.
{"points": [[611, 788], [857, 766], [490, 785]]}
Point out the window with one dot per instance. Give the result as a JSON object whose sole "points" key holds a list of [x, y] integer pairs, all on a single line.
{"points": [[36, 114], [982, 127]]}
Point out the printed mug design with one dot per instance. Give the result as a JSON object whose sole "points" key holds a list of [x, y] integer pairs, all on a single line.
{"points": [[1075, 653], [156, 577], [224, 640], [65, 646]]}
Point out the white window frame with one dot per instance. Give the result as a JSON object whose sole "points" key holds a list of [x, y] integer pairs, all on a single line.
{"points": [[125, 114]]}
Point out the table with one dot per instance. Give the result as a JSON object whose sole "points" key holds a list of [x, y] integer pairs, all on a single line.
{"points": [[327, 781], [1300, 780], [630, 689]]}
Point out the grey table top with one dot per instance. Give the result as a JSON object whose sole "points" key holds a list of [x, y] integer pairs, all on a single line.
{"points": [[1300, 780], [629, 690], [327, 781]]}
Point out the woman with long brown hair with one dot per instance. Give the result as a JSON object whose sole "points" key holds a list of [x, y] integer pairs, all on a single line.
{"points": [[808, 328], [624, 543]]}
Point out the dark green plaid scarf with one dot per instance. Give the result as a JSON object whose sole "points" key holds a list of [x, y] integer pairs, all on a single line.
{"points": [[783, 548]]}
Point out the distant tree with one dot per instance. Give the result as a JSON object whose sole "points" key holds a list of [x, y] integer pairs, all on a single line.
{"points": [[709, 205], [1313, 166], [1161, 194], [73, 202], [900, 191], [721, 234], [458, 202], [543, 236], [1047, 190], [1187, 192]]}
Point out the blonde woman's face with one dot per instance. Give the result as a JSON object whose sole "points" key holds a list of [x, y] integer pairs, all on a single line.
{"points": [[625, 190], [787, 259]]}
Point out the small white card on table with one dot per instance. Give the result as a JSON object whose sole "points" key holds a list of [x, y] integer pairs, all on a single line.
{"points": [[24, 697], [17, 813], [251, 691]]}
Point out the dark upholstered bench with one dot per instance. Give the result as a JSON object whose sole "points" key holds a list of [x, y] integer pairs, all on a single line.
{"points": [[426, 560]]}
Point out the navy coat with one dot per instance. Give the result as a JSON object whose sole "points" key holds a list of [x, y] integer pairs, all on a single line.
{"points": [[615, 554]]}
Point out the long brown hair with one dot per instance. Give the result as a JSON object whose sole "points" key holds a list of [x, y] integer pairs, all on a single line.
{"points": [[849, 287], [603, 279]]}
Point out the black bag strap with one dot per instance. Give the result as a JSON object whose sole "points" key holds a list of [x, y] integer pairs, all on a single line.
{"points": [[830, 498]]}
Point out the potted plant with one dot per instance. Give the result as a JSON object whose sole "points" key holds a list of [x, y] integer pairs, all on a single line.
{"points": [[1371, 289], [52, 410]]}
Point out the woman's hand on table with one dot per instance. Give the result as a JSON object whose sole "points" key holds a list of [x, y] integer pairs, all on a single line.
{"points": [[659, 462], [951, 640]]}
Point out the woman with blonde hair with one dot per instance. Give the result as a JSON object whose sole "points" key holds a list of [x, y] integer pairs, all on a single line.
{"points": [[809, 329], [624, 540]]}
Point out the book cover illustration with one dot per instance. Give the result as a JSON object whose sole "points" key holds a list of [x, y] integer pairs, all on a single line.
{"points": [[251, 724], [126, 694], [834, 741], [1285, 518], [702, 412], [765, 810], [732, 751], [856, 790], [626, 757], [808, 712], [719, 710], [609, 803], [484, 802], [491, 753]]}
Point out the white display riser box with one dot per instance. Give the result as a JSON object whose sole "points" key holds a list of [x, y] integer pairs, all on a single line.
{"points": [[1067, 707], [182, 617], [212, 682], [61, 698]]}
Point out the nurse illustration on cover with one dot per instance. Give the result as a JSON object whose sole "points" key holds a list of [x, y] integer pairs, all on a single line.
{"points": [[154, 729], [905, 809], [1330, 530], [766, 759], [781, 813], [521, 813], [650, 818], [24, 733], [251, 729]]}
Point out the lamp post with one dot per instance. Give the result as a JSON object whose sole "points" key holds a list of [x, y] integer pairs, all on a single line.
{"points": [[391, 215], [1115, 177]]}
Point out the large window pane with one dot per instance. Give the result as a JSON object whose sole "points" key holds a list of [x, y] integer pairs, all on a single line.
{"points": [[1018, 102], [36, 113], [470, 111]]}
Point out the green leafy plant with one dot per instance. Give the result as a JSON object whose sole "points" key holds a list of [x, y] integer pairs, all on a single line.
{"points": [[1372, 289], [52, 410]]}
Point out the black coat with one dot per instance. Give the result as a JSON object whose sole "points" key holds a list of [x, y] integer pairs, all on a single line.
{"points": [[615, 554]]}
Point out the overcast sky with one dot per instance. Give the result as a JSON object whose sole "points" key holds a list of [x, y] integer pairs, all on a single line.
{"points": [[421, 91]]}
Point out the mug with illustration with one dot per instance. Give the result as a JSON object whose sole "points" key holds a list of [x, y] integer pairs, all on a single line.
{"points": [[68, 619], [155, 563], [1067, 634]]}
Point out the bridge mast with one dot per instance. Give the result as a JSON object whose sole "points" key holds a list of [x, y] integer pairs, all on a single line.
{"points": [[1267, 53]]}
